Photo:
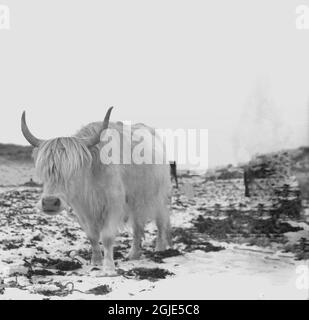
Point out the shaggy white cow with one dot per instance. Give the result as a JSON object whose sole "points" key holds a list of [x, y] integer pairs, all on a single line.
{"points": [[102, 195]]}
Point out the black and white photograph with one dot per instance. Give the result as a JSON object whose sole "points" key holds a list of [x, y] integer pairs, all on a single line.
{"points": [[154, 150]]}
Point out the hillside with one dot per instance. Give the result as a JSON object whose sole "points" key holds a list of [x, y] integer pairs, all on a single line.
{"points": [[16, 165], [267, 173], [14, 152]]}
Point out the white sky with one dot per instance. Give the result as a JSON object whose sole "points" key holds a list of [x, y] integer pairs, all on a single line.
{"points": [[170, 64]]}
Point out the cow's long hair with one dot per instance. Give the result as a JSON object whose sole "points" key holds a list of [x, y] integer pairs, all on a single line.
{"points": [[59, 159]]}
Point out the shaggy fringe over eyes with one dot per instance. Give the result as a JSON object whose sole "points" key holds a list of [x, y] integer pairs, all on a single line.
{"points": [[59, 159]]}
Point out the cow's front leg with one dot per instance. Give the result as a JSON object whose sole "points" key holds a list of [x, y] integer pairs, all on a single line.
{"points": [[96, 257], [93, 233], [108, 262]]}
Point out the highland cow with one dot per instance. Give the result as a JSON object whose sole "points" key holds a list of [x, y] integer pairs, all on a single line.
{"points": [[103, 196]]}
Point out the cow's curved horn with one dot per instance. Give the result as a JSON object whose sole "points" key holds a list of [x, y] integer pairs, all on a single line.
{"points": [[96, 139], [27, 134]]}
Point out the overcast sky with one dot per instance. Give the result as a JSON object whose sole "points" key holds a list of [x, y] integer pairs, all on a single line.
{"points": [[217, 65]]}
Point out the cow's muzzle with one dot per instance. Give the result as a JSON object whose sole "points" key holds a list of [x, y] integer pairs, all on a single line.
{"points": [[51, 205]]}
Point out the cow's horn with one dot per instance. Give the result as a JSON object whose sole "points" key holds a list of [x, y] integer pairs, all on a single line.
{"points": [[96, 139], [27, 134]]}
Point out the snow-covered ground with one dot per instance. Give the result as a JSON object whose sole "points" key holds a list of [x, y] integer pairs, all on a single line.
{"points": [[228, 274], [43, 257]]}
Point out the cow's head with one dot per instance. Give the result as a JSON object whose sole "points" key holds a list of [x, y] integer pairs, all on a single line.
{"points": [[62, 165]]}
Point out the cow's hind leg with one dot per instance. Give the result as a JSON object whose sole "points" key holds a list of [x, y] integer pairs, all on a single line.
{"points": [[138, 234], [163, 240]]}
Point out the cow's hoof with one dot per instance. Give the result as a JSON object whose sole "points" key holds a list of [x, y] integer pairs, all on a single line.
{"points": [[95, 263], [134, 255], [100, 271], [106, 272], [161, 245], [90, 268], [160, 248]]}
